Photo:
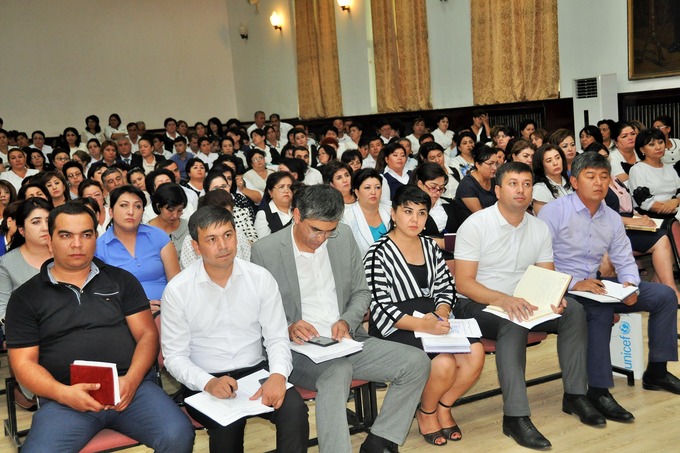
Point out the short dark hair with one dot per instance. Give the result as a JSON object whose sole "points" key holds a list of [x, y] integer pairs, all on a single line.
{"points": [[645, 137], [151, 178], [319, 202], [589, 160], [168, 195], [512, 167], [331, 168], [362, 175], [71, 209], [428, 171], [220, 198], [411, 194], [207, 216]]}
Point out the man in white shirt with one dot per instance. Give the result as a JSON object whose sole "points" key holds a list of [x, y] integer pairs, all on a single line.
{"points": [[133, 135], [385, 131], [312, 175], [494, 247], [281, 128], [259, 123], [375, 145], [218, 314], [318, 267]]}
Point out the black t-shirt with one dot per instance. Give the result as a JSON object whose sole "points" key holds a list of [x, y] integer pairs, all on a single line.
{"points": [[69, 323], [469, 187]]}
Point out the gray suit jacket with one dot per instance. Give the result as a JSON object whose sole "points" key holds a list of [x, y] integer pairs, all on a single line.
{"points": [[275, 253]]}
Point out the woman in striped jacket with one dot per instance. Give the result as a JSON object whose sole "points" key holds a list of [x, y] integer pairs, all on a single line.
{"points": [[406, 272]]}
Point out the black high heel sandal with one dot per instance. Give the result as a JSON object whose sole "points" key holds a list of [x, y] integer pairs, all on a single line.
{"points": [[431, 438], [452, 433]]}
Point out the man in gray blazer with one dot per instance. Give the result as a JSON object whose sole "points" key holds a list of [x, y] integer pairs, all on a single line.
{"points": [[318, 268]]}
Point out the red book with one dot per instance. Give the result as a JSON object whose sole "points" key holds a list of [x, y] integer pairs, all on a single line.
{"points": [[104, 373]]}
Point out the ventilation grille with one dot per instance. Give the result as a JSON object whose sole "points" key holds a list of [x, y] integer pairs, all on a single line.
{"points": [[586, 88]]}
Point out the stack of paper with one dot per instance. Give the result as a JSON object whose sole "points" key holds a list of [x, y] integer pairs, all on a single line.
{"points": [[456, 341], [323, 353], [657, 225], [227, 411], [615, 293], [541, 288]]}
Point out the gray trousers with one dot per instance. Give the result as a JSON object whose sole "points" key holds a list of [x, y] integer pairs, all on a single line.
{"points": [[511, 345], [406, 367]]}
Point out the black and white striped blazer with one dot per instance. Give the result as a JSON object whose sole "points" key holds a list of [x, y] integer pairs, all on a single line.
{"points": [[390, 281]]}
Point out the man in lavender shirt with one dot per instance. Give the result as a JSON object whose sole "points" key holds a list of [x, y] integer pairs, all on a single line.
{"points": [[583, 229]]}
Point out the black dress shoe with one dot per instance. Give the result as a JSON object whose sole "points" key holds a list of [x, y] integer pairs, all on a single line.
{"points": [[584, 409], [607, 406], [524, 432], [377, 444], [668, 382]]}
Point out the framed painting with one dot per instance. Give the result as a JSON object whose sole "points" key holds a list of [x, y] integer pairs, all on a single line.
{"points": [[653, 38]]}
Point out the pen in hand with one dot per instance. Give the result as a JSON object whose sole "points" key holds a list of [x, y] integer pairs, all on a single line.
{"points": [[436, 315]]}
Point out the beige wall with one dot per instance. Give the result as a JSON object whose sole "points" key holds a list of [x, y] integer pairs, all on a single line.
{"points": [[64, 60]]}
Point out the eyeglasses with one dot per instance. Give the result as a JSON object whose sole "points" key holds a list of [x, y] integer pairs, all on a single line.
{"points": [[492, 164], [661, 127], [283, 187], [221, 186], [74, 175], [315, 233], [257, 159], [436, 187], [62, 159]]}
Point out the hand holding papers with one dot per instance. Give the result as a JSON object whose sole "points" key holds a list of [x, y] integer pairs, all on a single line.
{"points": [[227, 411], [614, 292], [321, 354], [541, 288], [456, 341]]}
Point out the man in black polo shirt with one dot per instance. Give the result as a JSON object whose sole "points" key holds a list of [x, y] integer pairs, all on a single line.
{"points": [[78, 308]]}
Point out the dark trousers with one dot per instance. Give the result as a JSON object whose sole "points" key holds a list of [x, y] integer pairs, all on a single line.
{"points": [[292, 424], [657, 299]]}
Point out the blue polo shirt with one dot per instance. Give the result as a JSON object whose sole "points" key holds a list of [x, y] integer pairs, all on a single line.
{"points": [[145, 265]]}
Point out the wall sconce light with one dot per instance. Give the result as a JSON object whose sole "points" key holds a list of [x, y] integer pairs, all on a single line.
{"points": [[276, 20], [243, 31], [344, 5]]}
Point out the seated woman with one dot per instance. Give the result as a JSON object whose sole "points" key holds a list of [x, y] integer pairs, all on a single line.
{"points": [[368, 218], [523, 151], [221, 199], [92, 189], [588, 135], [539, 137], [477, 189], [8, 226], [657, 243], [339, 176], [654, 185], [391, 163], [432, 152], [56, 185], [18, 169], [73, 171], [550, 176], [443, 214], [149, 158], [622, 155], [353, 158], [140, 249], [29, 248], [32, 190], [256, 177], [168, 202], [8, 194], [38, 161], [564, 140], [325, 154], [664, 123], [425, 284], [275, 210], [221, 177], [196, 170]]}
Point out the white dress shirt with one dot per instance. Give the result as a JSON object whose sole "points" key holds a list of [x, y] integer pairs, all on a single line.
{"points": [[209, 329], [319, 300]]}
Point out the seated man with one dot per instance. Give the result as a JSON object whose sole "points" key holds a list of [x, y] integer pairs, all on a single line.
{"points": [[583, 229], [216, 314], [78, 308], [318, 267], [494, 247]]}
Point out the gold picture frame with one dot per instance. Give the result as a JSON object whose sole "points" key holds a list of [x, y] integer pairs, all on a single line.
{"points": [[653, 38]]}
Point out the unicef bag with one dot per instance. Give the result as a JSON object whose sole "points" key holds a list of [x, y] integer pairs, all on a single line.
{"points": [[625, 345]]}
